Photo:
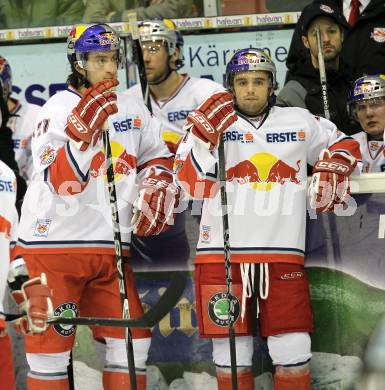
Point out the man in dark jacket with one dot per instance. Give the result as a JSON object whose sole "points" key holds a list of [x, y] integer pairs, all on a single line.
{"points": [[304, 88], [364, 44]]}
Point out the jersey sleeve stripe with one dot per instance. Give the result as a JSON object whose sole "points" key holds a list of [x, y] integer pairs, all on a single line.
{"points": [[61, 174], [75, 165], [189, 177]]}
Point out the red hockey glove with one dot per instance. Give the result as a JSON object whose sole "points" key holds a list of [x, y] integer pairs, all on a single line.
{"points": [[213, 117], [330, 184], [85, 122], [154, 209], [34, 299]]}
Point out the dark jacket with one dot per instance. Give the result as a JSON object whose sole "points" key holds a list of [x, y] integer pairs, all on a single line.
{"points": [[364, 45], [304, 90]]}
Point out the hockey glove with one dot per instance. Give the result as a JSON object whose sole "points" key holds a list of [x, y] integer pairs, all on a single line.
{"points": [[212, 118], [154, 210], [33, 297], [330, 183], [85, 122]]}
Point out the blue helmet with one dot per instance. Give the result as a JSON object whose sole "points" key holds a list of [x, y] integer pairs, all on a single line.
{"points": [[249, 60], [166, 31], [5, 77], [85, 38], [366, 88]]}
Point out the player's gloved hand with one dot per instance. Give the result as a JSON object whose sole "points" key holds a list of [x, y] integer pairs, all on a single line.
{"points": [[330, 183], [212, 118], [154, 210], [85, 122], [33, 297]]}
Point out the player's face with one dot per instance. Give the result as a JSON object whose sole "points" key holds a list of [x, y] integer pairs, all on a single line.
{"points": [[101, 66], [252, 90], [371, 115], [331, 37], [155, 56]]}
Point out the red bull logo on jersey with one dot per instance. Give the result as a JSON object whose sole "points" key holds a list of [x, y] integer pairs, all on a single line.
{"points": [[264, 171], [288, 136], [124, 164]]}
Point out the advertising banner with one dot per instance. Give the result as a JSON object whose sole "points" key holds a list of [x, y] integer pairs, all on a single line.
{"points": [[40, 70]]}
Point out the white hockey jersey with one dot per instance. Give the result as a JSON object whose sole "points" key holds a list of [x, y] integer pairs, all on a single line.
{"points": [[373, 153], [22, 123], [8, 223], [188, 95], [66, 209], [266, 184]]}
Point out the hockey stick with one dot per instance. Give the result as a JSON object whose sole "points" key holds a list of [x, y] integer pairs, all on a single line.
{"points": [[138, 58], [331, 226], [322, 75], [148, 320], [227, 254], [118, 252]]}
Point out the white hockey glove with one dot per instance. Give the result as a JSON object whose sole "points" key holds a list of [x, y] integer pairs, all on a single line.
{"points": [[330, 182], [33, 298], [212, 118], [154, 210]]}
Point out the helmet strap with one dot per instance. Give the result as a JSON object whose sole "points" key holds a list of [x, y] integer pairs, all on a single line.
{"points": [[165, 76]]}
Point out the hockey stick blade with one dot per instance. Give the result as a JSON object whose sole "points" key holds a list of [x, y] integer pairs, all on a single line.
{"points": [[149, 319]]}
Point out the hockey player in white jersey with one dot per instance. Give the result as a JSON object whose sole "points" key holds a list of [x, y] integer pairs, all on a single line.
{"points": [[66, 229], [31, 295], [22, 118], [367, 105], [173, 95], [267, 149]]}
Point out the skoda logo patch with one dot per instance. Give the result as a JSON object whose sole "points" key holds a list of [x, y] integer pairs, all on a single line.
{"points": [[218, 307], [69, 310]]}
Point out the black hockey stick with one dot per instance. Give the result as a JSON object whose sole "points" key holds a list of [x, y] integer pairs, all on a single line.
{"points": [[148, 320], [227, 254], [118, 252], [138, 58], [332, 226]]}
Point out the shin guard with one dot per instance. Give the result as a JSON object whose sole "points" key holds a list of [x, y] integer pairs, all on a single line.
{"points": [[51, 384], [121, 380], [291, 381], [245, 380]]}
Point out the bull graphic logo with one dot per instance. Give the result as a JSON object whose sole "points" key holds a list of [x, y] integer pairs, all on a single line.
{"points": [[124, 164], [264, 171]]}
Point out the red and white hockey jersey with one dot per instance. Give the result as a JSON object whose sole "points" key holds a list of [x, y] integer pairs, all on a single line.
{"points": [[188, 95], [266, 184], [373, 153], [22, 123], [8, 224], [66, 209]]}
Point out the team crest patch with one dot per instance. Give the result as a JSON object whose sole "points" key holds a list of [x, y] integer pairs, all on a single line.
{"points": [[47, 156], [218, 307], [42, 227], [206, 234], [374, 146], [378, 34], [68, 310]]}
